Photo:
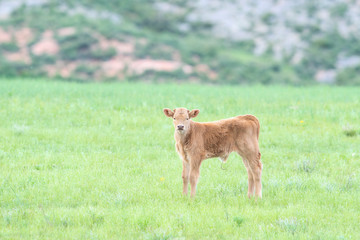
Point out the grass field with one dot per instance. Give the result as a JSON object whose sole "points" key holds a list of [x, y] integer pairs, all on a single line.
{"points": [[97, 161]]}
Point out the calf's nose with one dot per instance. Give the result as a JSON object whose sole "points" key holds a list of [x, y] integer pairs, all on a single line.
{"points": [[180, 127]]}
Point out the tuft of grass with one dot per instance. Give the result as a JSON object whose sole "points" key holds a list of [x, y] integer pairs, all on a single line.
{"points": [[349, 131], [306, 165], [349, 183], [20, 129], [238, 220], [162, 236], [291, 225]]}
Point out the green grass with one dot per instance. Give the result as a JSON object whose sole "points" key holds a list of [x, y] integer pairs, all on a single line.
{"points": [[97, 161]]}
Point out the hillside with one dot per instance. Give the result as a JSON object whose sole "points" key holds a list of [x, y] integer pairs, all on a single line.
{"points": [[232, 42]]}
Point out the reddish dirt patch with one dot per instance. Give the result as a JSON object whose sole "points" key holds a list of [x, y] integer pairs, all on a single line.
{"points": [[47, 45], [64, 69], [114, 66], [142, 65], [21, 56], [205, 69], [5, 37], [23, 36], [63, 32], [123, 48]]}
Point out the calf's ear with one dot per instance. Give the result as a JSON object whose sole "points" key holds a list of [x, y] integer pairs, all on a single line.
{"points": [[168, 112], [194, 113]]}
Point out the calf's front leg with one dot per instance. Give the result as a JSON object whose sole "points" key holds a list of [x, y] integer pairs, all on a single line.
{"points": [[194, 176], [185, 177]]}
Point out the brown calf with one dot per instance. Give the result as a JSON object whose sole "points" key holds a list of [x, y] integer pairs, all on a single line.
{"points": [[196, 142]]}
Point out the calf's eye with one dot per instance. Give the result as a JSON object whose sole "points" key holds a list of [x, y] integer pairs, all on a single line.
{"points": [[187, 119], [174, 119]]}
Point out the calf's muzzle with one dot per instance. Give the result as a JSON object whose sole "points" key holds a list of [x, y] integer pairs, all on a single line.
{"points": [[180, 127]]}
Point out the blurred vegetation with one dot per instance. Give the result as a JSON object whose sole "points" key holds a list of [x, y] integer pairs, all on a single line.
{"points": [[100, 54], [349, 76], [76, 46], [233, 62], [10, 47]]}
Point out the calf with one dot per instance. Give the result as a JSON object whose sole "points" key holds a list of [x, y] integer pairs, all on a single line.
{"points": [[197, 141]]}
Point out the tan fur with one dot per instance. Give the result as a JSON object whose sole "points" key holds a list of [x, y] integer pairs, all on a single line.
{"points": [[200, 141]]}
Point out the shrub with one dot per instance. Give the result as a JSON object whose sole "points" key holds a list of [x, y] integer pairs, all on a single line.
{"points": [[235, 72], [76, 46], [160, 76], [203, 48], [10, 47], [39, 60], [349, 76], [153, 50], [100, 54], [13, 69], [339, 10], [86, 69]]}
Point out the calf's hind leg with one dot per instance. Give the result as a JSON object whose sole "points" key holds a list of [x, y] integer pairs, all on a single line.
{"points": [[256, 169], [251, 185]]}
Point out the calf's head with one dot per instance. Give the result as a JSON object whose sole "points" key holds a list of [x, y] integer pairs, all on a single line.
{"points": [[181, 118]]}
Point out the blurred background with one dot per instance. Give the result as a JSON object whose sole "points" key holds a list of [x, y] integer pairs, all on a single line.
{"points": [[203, 41]]}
